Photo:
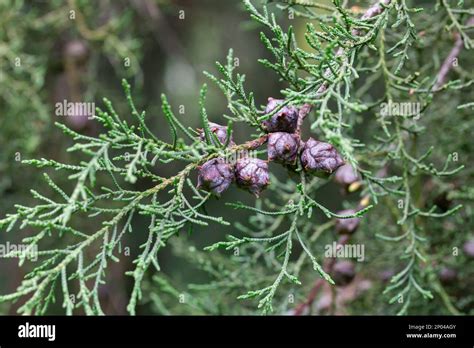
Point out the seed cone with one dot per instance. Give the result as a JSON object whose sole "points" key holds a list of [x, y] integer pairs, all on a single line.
{"points": [[320, 158], [447, 275], [468, 248], [285, 120], [219, 131], [251, 174], [386, 275], [215, 176], [76, 51], [347, 226], [345, 176], [343, 272], [283, 147]]}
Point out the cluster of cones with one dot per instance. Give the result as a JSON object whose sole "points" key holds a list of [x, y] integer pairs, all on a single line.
{"points": [[284, 146]]}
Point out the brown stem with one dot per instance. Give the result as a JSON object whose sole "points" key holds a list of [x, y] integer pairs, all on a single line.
{"points": [[302, 113], [252, 144], [452, 56]]}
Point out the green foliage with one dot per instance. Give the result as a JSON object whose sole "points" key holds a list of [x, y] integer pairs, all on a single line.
{"points": [[340, 60], [28, 78]]}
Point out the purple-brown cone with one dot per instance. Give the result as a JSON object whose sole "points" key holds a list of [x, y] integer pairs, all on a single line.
{"points": [[343, 272], [219, 131], [76, 51], [468, 248], [447, 275], [215, 176], [283, 147], [285, 120], [347, 226], [345, 175], [320, 158], [252, 175]]}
